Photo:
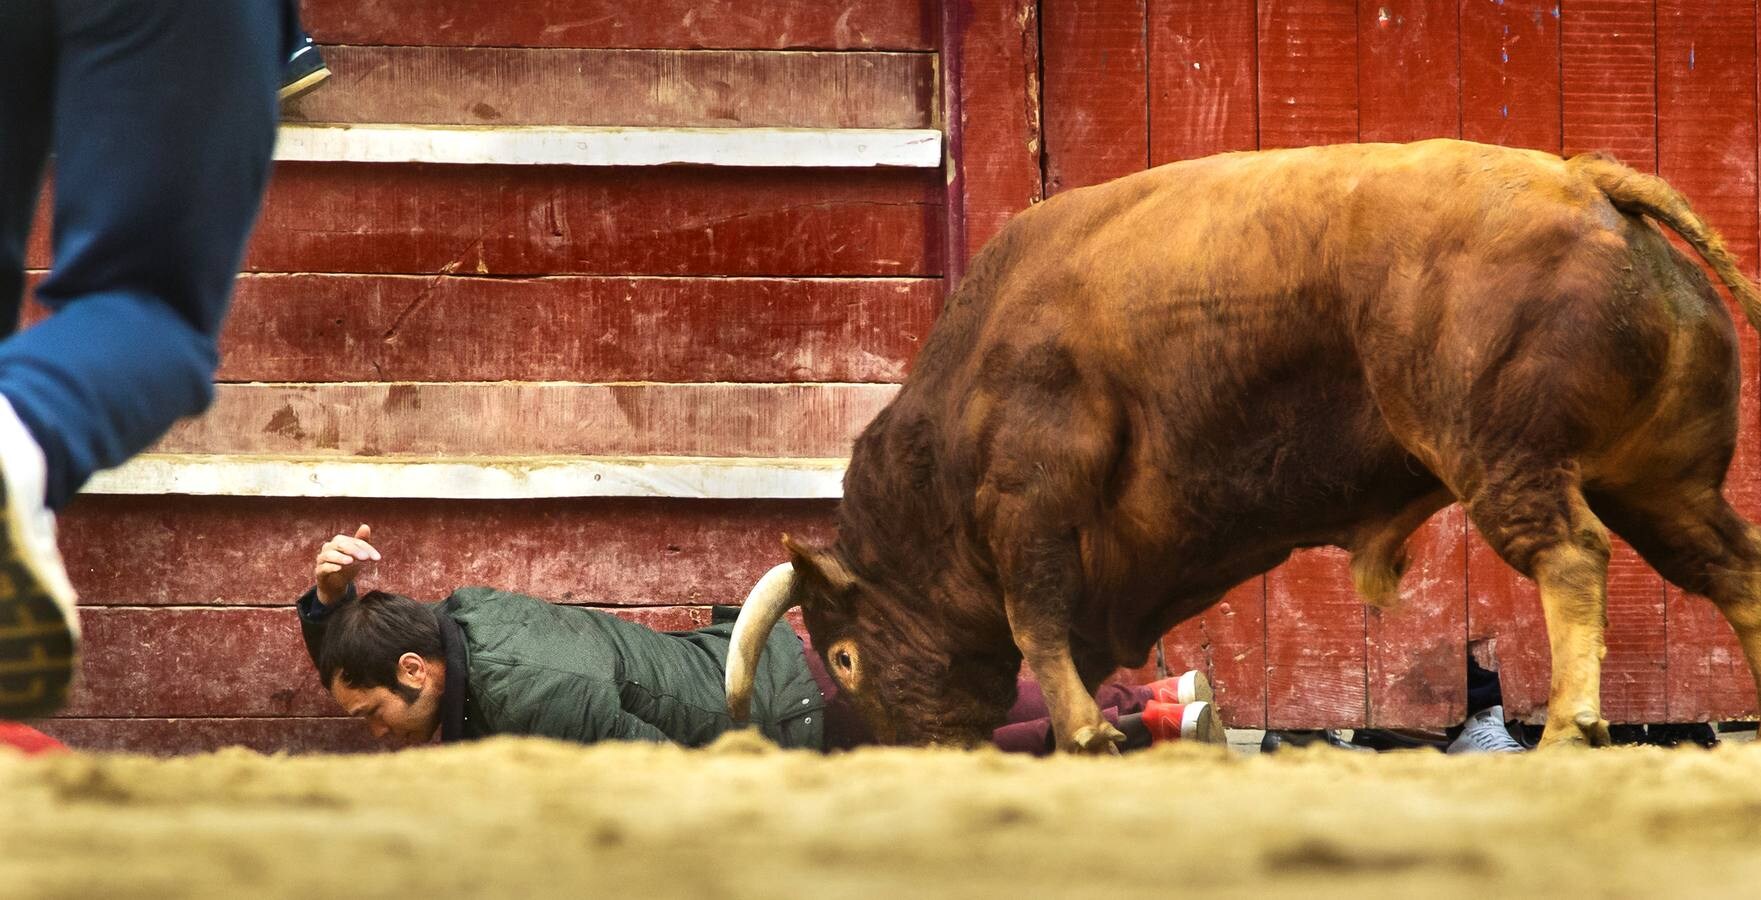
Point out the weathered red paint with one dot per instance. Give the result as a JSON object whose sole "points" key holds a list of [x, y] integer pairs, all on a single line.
{"points": [[1228, 644], [1609, 79], [1203, 84], [1409, 74], [1608, 102], [458, 328], [1201, 100], [734, 88], [686, 24], [1416, 653], [1706, 138], [1316, 663], [562, 220], [248, 551], [524, 419], [997, 114], [318, 328], [1307, 72], [1504, 612], [1095, 91], [1510, 70], [1316, 659]]}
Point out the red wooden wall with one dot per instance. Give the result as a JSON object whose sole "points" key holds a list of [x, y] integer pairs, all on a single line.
{"points": [[468, 310]]}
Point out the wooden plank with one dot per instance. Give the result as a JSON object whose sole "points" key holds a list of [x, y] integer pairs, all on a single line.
{"points": [[1510, 65], [774, 25], [1203, 94], [212, 662], [1307, 72], [605, 145], [1510, 70], [1409, 77], [1416, 654], [502, 87], [322, 328], [1316, 662], [1706, 135], [1635, 672], [542, 220], [1609, 96], [1409, 71], [1315, 624], [171, 663], [1095, 91], [1505, 621], [184, 736], [1609, 79], [1202, 100], [474, 478], [1228, 643], [994, 117], [401, 328], [1505, 611], [159, 551], [520, 419]]}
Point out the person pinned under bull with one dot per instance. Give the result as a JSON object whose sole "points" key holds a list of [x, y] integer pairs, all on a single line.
{"points": [[487, 661]]}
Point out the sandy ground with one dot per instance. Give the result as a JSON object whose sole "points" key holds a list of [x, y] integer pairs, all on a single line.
{"points": [[524, 817]]}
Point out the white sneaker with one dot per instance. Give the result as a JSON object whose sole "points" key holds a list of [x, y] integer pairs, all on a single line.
{"points": [[39, 628], [1484, 732]]}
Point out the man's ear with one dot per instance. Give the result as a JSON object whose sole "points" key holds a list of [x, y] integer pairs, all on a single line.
{"points": [[820, 566], [412, 671]]}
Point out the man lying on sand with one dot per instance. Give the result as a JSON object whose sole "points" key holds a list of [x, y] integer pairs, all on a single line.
{"points": [[486, 661]]}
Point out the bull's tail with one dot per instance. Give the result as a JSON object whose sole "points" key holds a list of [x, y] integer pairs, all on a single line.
{"points": [[1635, 192]]}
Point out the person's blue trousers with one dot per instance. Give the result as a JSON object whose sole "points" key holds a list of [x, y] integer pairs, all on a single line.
{"points": [[161, 116]]}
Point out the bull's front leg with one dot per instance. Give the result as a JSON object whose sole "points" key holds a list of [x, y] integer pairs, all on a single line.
{"points": [[1042, 579]]}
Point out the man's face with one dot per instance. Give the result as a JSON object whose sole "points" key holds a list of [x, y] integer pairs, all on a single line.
{"points": [[393, 717]]}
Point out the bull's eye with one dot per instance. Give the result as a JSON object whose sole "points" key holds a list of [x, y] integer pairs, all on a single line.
{"points": [[846, 663]]}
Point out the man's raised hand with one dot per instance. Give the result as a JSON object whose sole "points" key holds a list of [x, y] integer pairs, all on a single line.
{"points": [[339, 561]]}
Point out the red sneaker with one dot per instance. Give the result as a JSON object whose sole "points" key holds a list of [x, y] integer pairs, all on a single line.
{"points": [[28, 739], [1187, 687], [1194, 721]]}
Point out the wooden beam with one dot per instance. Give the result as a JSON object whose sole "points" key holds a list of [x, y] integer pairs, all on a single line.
{"points": [[525, 419], [631, 88], [704, 478], [772, 25], [585, 220], [533, 145], [258, 551]]}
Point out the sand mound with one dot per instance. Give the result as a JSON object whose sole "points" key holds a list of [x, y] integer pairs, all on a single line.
{"points": [[514, 817]]}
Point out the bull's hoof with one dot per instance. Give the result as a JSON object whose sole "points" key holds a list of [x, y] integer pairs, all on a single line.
{"points": [[1096, 740], [1586, 729]]}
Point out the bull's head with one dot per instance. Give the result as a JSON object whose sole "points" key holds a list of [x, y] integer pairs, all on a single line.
{"points": [[892, 656]]}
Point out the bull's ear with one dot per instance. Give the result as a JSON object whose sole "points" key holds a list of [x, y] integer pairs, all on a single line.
{"points": [[819, 565]]}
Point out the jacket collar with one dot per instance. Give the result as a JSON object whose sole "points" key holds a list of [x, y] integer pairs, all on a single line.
{"points": [[454, 699]]}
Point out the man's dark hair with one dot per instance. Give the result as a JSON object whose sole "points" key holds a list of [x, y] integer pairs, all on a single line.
{"points": [[365, 637]]}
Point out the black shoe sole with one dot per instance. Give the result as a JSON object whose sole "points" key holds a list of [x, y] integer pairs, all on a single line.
{"points": [[37, 644]]}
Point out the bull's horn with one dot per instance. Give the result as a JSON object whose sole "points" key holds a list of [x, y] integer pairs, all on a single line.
{"points": [[758, 615]]}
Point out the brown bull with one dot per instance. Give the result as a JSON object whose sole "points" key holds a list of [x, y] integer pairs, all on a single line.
{"points": [[1150, 390]]}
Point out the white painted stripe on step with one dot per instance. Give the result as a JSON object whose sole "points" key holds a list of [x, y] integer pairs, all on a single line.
{"points": [[612, 146], [475, 478]]}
